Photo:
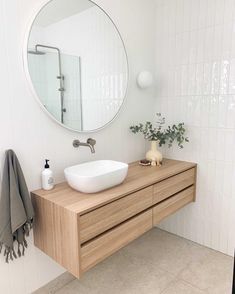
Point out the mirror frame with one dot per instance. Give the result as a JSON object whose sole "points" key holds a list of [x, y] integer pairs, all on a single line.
{"points": [[29, 80]]}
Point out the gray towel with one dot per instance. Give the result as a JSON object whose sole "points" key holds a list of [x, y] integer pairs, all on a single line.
{"points": [[16, 210]]}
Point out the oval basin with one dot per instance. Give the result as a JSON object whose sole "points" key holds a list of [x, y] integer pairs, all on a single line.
{"points": [[95, 176]]}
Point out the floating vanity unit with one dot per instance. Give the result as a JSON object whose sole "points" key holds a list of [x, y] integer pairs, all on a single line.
{"points": [[79, 230]]}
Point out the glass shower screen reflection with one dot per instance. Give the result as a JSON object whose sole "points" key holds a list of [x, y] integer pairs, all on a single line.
{"points": [[44, 72]]}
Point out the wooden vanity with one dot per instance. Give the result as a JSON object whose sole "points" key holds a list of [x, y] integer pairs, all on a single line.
{"points": [[79, 230]]}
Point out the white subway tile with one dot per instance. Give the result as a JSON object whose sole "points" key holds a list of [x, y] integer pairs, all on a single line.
{"points": [[229, 6], [227, 41], [203, 13], [184, 79], [210, 21], [194, 23], [232, 77], [219, 11], [199, 78], [187, 11], [192, 79], [233, 40], [193, 46], [179, 15], [203, 97], [224, 81], [207, 81], [209, 44], [201, 45], [204, 111], [222, 111], [213, 111], [217, 44], [231, 112], [212, 144]]}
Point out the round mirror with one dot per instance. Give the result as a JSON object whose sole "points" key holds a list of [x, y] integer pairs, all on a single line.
{"points": [[77, 64]]}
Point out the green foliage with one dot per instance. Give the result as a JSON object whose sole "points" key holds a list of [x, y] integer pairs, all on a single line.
{"points": [[158, 133]]}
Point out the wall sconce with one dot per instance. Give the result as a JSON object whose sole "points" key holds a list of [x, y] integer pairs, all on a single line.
{"points": [[145, 79]]}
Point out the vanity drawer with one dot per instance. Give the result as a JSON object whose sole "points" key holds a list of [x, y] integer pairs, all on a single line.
{"points": [[171, 205], [173, 185], [101, 219], [101, 247]]}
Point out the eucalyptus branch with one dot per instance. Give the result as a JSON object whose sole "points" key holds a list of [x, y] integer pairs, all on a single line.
{"points": [[158, 133]]}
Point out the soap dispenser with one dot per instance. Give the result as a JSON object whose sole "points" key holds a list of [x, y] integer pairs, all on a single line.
{"points": [[47, 177]]}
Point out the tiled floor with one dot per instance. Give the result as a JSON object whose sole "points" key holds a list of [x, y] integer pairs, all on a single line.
{"points": [[158, 262]]}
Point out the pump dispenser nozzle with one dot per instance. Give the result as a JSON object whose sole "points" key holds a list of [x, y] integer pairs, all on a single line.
{"points": [[47, 165]]}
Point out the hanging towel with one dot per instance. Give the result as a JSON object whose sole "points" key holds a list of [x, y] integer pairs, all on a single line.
{"points": [[16, 210]]}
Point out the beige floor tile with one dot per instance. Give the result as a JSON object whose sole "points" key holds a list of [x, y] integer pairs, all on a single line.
{"points": [[181, 287], [122, 273], [157, 263], [140, 277], [73, 288], [209, 270], [169, 252], [101, 279]]}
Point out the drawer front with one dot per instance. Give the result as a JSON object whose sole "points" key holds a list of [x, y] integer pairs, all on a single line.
{"points": [[171, 205], [108, 243], [173, 185], [99, 220]]}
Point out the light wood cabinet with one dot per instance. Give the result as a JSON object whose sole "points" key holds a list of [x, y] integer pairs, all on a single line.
{"points": [[173, 185], [79, 230], [101, 219], [172, 204], [108, 243]]}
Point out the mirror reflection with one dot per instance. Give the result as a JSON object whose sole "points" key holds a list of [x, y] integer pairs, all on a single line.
{"points": [[77, 64]]}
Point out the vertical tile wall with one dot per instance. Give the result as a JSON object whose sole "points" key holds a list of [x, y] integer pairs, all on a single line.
{"points": [[195, 71]]}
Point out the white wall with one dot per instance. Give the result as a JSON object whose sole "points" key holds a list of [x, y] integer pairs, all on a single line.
{"points": [[34, 137], [195, 70]]}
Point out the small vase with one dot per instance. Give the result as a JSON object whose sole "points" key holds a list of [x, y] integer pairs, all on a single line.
{"points": [[154, 155]]}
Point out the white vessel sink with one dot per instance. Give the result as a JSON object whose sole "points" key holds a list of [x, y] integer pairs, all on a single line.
{"points": [[95, 176]]}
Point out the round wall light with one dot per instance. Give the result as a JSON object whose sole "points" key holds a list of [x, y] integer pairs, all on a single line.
{"points": [[145, 79]]}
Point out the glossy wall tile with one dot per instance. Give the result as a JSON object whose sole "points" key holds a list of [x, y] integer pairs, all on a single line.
{"points": [[195, 70]]}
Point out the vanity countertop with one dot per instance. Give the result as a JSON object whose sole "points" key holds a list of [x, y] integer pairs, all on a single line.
{"points": [[138, 178], [80, 230]]}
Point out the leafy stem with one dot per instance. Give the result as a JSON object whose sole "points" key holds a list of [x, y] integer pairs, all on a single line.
{"points": [[158, 133]]}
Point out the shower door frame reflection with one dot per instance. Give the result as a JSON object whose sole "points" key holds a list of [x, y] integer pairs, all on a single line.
{"points": [[63, 78]]}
